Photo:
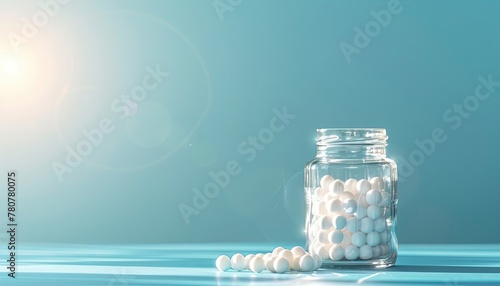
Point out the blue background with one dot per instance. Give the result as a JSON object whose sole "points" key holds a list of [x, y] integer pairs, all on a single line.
{"points": [[226, 75]]}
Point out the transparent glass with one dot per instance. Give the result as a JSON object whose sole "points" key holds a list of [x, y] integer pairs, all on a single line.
{"points": [[351, 196]]}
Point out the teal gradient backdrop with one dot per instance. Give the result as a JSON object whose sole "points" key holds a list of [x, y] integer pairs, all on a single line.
{"points": [[178, 89]]}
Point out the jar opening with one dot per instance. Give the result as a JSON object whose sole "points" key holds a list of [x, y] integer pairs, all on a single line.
{"points": [[351, 136]]}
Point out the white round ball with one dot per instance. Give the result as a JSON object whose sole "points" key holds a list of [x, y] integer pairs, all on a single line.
{"points": [[223, 263], [350, 206], [350, 186], [373, 197], [338, 221], [288, 255], [379, 225], [326, 181], [361, 211], [257, 264], [376, 251], [281, 264], [336, 252], [374, 212], [347, 239], [358, 239], [335, 236], [298, 251], [365, 252], [296, 263], [373, 238], [334, 206], [366, 225], [345, 196], [238, 262], [270, 264], [322, 251], [317, 261], [307, 263], [247, 260], [325, 222], [385, 236], [351, 252], [323, 237], [336, 187], [277, 250], [352, 225], [363, 186], [377, 183]]}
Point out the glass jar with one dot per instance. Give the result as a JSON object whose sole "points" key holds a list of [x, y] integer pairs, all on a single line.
{"points": [[351, 195]]}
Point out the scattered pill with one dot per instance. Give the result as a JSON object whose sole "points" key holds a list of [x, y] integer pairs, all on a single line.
{"points": [[298, 251], [351, 252], [247, 260], [323, 251], [338, 221], [288, 255], [335, 236], [358, 239], [223, 263], [296, 263], [377, 183], [318, 262], [307, 263], [267, 256], [281, 264], [366, 225], [277, 250], [373, 197], [326, 181], [257, 264], [365, 252], [336, 252], [374, 212], [238, 262], [270, 264]]}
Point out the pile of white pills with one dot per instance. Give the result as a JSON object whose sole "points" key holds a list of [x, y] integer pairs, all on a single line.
{"points": [[350, 219], [279, 260]]}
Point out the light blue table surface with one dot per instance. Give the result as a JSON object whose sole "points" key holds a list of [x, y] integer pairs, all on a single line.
{"points": [[193, 264]]}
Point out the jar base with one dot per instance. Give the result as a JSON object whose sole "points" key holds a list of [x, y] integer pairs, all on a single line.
{"points": [[361, 264]]}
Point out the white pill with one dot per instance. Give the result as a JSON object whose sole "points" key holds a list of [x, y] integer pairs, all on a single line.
{"points": [[326, 181], [296, 263], [366, 225], [386, 199], [350, 206], [247, 260], [385, 237], [335, 236], [377, 183], [257, 264], [363, 186], [238, 262], [298, 251], [358, 238], [317, 261], [267, 256], [338, 221], [259, 255], [351, 252], [223, 263], [379, 225], [347, 239], [350, 186], [362, 200], [277, 250], [374, 212], [352, 225], [376, 251], [384, 249], [307, 263], [319, 193], [373, 197], [324, 237], [270, 264], [336, 252], [345, 196], [373, 238], [360, 212], [281, 264], [319, 207], [288, 255], [322, 251], [325, 222], [365, 252], [336, 187], [334, 206]]}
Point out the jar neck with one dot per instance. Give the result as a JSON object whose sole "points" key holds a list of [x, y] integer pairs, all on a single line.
{"points": [[356, 144]]}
